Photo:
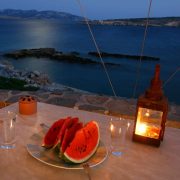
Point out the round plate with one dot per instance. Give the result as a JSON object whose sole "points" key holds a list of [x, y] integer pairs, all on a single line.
{"points": [[50, 157]]}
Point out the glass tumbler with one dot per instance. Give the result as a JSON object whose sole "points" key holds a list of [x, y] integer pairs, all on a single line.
{"points": [[118, 134], [7, 129]]}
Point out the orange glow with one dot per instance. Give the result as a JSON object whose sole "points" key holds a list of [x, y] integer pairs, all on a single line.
{"points": [[141, 128], [111, 127], [147, 131], [147, 114]]}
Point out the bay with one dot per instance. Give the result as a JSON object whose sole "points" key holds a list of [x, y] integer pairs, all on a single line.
{"points": [[162, 42]]}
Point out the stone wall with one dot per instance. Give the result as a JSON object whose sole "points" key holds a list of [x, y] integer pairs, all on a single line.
{"points": [[73, 98]]}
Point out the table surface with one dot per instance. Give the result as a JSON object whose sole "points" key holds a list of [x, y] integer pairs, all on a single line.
{"points": [[138, 162]]}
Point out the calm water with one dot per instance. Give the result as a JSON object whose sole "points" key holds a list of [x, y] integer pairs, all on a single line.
{"points": [[161, 42]]}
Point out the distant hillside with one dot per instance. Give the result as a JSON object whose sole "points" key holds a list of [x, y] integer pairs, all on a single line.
{"points": [[164, 21], [62, 16], [34, 14]]}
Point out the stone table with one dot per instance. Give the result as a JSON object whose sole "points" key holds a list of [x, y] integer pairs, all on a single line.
{"points": [[138, 162]]}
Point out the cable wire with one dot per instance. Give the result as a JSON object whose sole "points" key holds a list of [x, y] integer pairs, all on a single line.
{"points": [[97, 48], [142, 50], [171, 76]]}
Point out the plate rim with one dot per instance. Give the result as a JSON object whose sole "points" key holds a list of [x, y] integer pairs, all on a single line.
{"points": [[64, 167]]}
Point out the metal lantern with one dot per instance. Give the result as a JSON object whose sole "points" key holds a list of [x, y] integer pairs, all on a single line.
{"points": [[151, 113]]}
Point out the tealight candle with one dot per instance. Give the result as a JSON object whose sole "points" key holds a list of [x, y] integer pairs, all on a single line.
{"points": [[27, 105]]}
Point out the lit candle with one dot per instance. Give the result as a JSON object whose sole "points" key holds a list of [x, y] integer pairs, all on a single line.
{"points": [[141, 128], [112, 128], [147, 114]]}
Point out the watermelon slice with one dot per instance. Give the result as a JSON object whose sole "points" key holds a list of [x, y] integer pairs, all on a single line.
{"points": [[84, 144], [66, 125], [69, 135], [52, 133]]}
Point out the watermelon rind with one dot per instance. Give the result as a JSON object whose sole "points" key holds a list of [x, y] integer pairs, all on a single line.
{"points": [[81, 132]]}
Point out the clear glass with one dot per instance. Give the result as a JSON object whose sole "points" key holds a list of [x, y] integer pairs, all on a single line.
{"points": [[7, 129], [118, 132], [148, 123]]}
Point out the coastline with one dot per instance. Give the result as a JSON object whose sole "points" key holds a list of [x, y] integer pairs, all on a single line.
{"points": [[61, 95], [124, 73], [153, 22]]}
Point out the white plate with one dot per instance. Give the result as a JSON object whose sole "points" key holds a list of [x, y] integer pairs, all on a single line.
{"points": [[50, 157]]}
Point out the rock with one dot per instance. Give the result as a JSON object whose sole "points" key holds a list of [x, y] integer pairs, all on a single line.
{"points": [[51, 53], [41, 52], [7, 65], [32, 85], [2, 66], [32, 75], [23, 73], [43, 79], [54, 87], [127, 56], [36, 73], [21, 78]]}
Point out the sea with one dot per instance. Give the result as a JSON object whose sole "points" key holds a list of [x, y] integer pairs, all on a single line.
{"points": [[162, 42]]}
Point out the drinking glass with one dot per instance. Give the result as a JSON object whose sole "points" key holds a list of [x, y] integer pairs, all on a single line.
{"points": [[7, 129], [118, 133]]}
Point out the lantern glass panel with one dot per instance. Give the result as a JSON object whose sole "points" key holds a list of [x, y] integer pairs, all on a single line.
{"points": [[148, 123]]}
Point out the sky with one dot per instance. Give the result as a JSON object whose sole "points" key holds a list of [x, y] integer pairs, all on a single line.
{"points": [[100, 9]]}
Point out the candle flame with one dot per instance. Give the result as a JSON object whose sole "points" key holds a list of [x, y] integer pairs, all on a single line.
{"points": [[111, 127], [141, 128], [147, 114]]}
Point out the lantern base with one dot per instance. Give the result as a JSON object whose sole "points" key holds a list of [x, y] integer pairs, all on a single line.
{"points": [[146, 140]]}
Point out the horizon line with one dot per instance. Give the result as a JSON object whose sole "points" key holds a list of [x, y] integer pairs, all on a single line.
{"points": [[100, 19]]}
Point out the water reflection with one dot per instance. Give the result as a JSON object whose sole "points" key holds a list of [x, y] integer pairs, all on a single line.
{"points": [[40, 33]]}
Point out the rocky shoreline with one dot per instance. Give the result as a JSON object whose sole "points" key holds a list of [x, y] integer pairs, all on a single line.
{"points": [[73, 57], [58, 94], [35, 79], [32, 78]]}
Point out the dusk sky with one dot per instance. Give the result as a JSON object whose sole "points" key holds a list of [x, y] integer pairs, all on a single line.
{"points": [[100, 9]]}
